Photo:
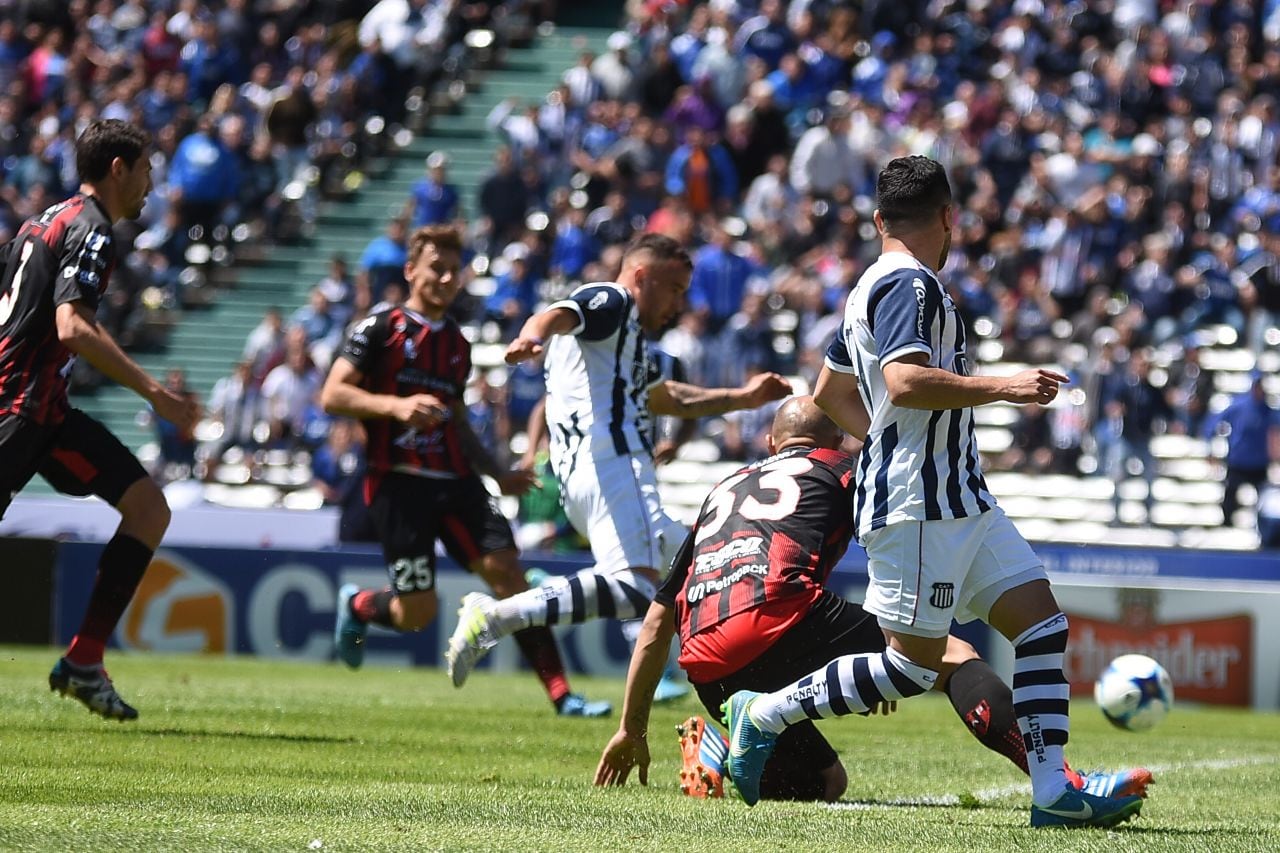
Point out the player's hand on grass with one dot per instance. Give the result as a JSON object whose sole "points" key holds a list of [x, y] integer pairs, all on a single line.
{"points": [[421, 411], [518, 482], [1036, 385], [623, 752], [884, 708], [766, 387], [181, 410], [523, 349]]}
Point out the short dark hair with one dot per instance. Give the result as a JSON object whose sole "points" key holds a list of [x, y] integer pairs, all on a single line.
{"points": [[444, 237], [102, 142], [910, 190], [661, 248]]}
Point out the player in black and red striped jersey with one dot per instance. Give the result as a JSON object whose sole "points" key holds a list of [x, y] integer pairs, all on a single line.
{"points": [[55, 272], [403, 372], [747, 595]]}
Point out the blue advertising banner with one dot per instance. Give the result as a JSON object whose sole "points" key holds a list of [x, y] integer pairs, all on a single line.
{"points": [[280, 603]]}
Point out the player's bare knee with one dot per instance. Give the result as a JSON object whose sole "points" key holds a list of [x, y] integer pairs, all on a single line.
{"points": [[835, 782], [144, 512], [417, 610]]}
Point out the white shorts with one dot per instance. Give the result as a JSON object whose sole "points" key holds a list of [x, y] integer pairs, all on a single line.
{"points": [[924, 574], [614, 503]]}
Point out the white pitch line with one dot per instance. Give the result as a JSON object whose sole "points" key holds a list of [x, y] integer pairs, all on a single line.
{"points": [[987, 794]]}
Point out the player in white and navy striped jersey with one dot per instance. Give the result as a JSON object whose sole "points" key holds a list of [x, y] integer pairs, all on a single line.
{"points": [[925, 462], [599, 387], [937, 546]]}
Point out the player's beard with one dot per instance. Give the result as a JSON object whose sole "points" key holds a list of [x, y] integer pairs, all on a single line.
{"points": [[946, 250]]}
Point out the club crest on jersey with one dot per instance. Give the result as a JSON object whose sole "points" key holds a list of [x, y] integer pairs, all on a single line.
{"points": [[944, 595]]}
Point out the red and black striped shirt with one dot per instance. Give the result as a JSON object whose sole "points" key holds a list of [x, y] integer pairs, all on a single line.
{"points": [[402, 353], [767, 537], [65, 254]]}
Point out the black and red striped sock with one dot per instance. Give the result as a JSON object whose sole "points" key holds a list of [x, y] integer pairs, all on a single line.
{"points": [[538, 645], [373, 606], [123, 562], [985, 704]]}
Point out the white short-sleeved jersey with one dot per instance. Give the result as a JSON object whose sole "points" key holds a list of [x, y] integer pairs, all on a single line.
{"points": [[598, 379], [917, 465]]}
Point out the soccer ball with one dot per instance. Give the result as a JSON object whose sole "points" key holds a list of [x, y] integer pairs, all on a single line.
{"points": [[1134, 692]]}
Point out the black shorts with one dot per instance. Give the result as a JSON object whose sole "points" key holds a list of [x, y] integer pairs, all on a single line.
{"points": [[833, 627], [410, 513], [78, 457]]}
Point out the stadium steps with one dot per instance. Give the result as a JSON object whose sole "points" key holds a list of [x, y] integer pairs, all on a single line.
{"points": [[208, 341]]}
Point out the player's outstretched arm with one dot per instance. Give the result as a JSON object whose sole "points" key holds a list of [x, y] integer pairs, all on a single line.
{"points": [[689, 401], [838, 395], [913, 384], [629, 747], [342, 395], [81, 333], [537, 329]]}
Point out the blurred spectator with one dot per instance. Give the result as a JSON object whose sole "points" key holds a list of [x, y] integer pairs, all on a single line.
{"points": [[1133, 411], [338, 288], [694, 106], [382, 261], [503, 199], [702, 174], [1211, 278], [824, 162], [573, 247], [766, 36], [287, 394], [1253, 442], [234, 406], [1190, 389], [719, 279], [321, 325], [1030, 450], [1259, 282], [177, 456], [291, 113], [265, 342], [746, 344], [487, 414], [203, 176], [583, 86], [434, 200], [526, 387], [612, 69], [659, 82], [515, 291], [611, 224], [411, 34], [338, 465]]}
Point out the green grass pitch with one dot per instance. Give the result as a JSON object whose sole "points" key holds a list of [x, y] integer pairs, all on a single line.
{"points": [[241, 754]]}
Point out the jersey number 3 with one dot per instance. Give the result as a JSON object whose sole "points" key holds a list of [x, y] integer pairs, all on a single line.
{"points": [[10, 299], [778, 477]]}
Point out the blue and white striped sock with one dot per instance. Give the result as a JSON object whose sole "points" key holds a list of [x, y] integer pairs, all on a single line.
{"points": [[847, 685]]}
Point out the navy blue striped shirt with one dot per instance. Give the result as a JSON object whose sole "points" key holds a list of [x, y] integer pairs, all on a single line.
{"points": [[917, 465]]}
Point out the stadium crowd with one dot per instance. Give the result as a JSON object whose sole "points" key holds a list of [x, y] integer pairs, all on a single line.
{"points": [[1114, 164]]}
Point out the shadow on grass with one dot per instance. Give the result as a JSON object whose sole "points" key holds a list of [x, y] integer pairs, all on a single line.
{"points": [[174, 731]]}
